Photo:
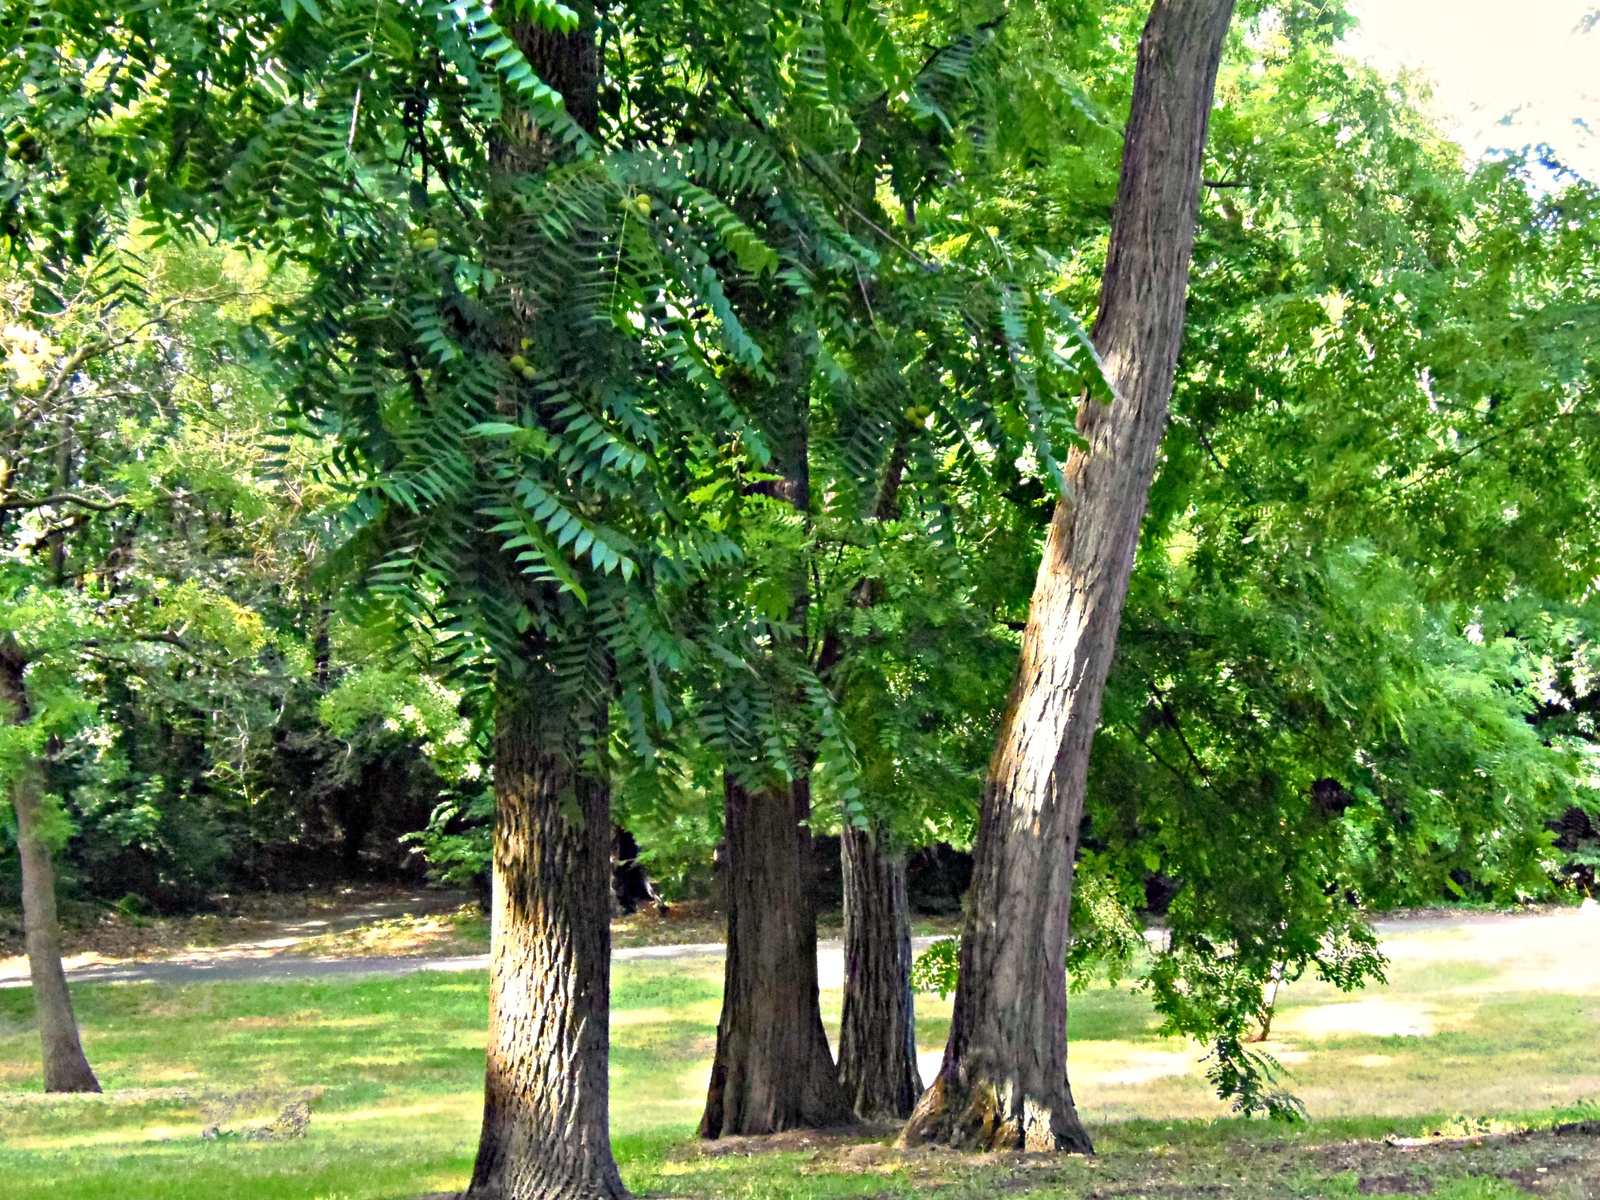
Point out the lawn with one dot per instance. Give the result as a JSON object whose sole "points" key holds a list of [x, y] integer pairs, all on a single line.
{"points": [[1473, 1040]]}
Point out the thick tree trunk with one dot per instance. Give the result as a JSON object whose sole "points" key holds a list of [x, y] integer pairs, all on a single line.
{"points": [[65, 1067], [773, 1070], [546, 1111], [877, 1038], [545, 1114], [1003, 1081]]}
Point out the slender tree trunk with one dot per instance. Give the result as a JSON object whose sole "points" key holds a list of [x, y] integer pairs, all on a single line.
{"points": [[65, 1067], [878, 1034], [1003, 1081], [773, 1070], [545, 1113], [877, 1038]]}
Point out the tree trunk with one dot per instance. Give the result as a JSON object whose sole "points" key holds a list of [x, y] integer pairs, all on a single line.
{"points": [[773, 1070], [1003, 1081], [545, 1112], [65, 1067], [877, 1038], [546, 1109]]}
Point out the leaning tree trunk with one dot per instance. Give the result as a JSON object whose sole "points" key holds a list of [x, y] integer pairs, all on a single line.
{"points": [[65, 1067], [773, 1070], [1003, 1081], [877, 1038], [545, 1113]]}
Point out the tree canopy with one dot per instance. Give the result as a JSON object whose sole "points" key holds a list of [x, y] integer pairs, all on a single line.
{"points": [[711, 371]]}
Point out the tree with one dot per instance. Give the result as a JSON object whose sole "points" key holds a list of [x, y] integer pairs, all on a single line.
{"points": [[1350, 647], [877, 1029], [82, 613], [472, 199], [65, 1067], [492, 332], [877, 315], [1003, 1081]]}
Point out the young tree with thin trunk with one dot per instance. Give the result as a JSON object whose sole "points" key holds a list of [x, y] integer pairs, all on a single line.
{"points": [[1003, 1080], [877, 1032], [66, 1069]]}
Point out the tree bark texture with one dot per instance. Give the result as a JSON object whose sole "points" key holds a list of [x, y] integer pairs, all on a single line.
{"points": [[66, 1069], [877, 1037], [1003, 1080], [546, 1127], [567, 62], [773, 1069]]}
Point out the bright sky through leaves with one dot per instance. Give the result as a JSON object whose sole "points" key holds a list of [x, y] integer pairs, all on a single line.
{"points": [[1506, 73]]}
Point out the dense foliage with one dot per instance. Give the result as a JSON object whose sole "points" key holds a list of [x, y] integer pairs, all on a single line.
{"points": [[722, 401], [209, 719]]}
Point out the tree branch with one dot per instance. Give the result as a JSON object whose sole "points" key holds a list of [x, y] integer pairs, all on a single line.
{"points": [[64, 498]]}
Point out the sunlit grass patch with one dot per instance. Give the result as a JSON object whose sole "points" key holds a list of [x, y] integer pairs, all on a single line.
{"points": [[397, 1068]]}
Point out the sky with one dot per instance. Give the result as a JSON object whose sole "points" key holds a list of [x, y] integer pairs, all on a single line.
{"points": [[1506, 73]]}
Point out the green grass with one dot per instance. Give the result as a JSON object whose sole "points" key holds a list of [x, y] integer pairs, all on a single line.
{"points": [[394, 1068]]}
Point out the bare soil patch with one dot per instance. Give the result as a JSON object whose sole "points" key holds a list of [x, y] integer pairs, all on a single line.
{"points": [[236, 920]]}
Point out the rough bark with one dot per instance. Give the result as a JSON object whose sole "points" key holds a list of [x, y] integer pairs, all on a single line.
{"points": [[1003, 1080], [545, 1113], [877, 1036], [546, 1119], [66, 1069], [877, 1040], [773, 1069], [567, 62]]}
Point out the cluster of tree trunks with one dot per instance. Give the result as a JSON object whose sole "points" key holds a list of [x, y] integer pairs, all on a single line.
{"points": [[1003, 1081]]}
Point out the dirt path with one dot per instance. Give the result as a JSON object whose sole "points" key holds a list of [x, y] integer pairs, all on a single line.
{"points": [[1551, 950], [329, 923], [231, 966]]}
